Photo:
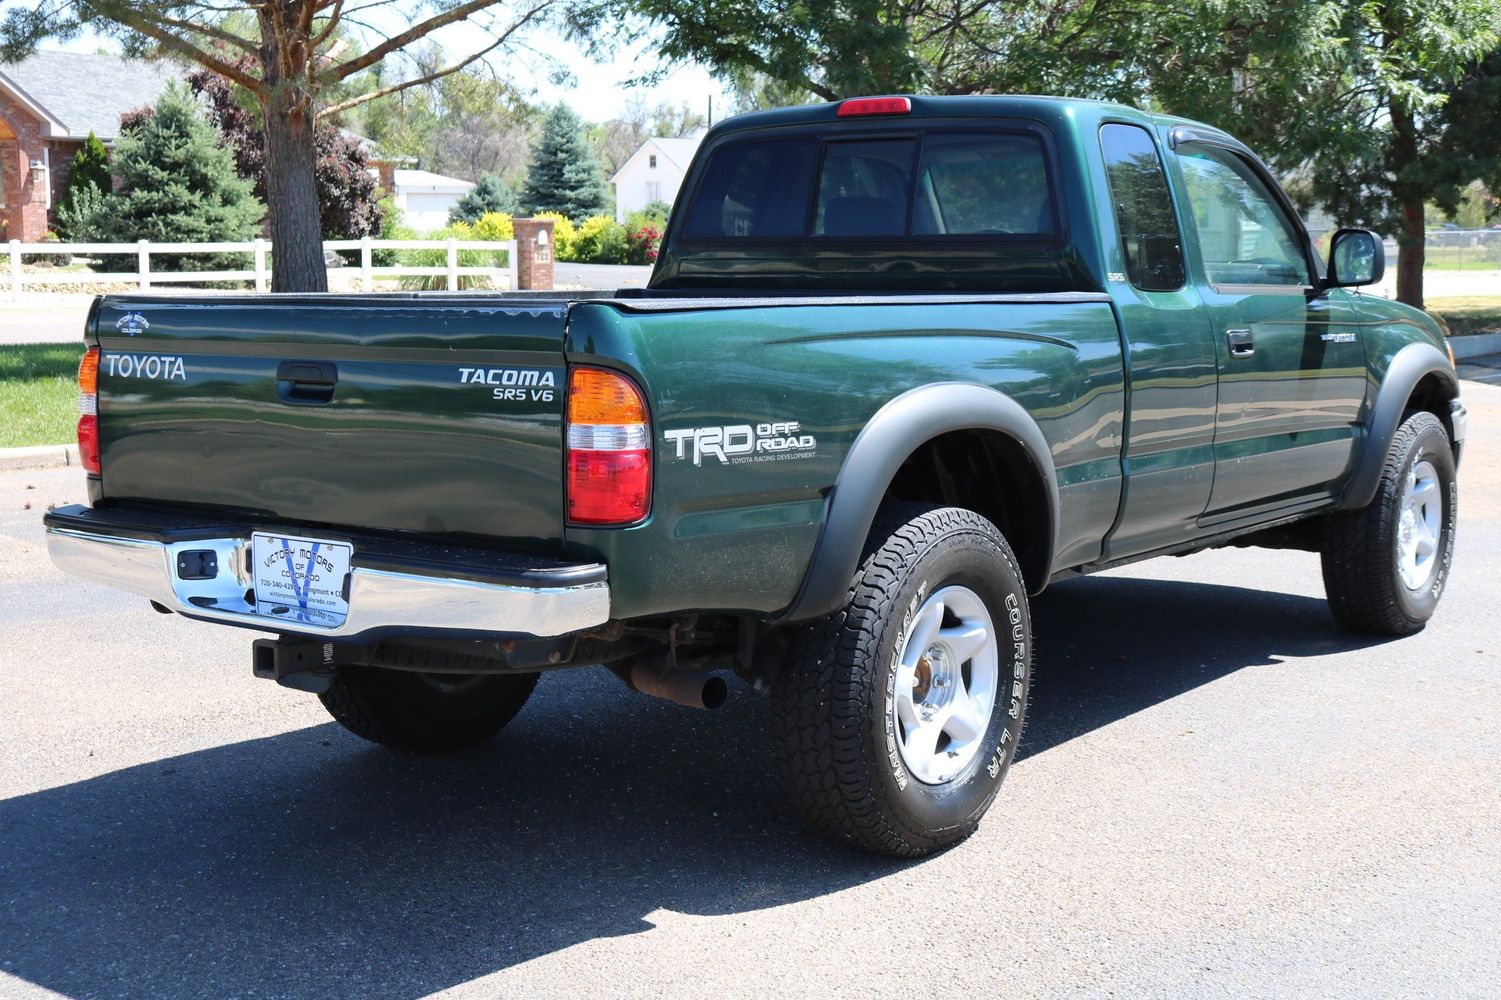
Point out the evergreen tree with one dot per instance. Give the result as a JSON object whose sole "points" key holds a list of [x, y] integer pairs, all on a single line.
{"points": [[491, 194], [177, 183], [564, 175], [90, 170]]}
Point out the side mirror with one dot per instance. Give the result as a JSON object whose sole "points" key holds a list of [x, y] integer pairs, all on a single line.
{"points": [[1356, 257]]}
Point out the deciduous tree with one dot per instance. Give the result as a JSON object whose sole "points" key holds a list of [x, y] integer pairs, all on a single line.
{"points": [[300, 59]]}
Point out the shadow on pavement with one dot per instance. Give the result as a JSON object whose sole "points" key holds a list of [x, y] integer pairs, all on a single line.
{"points": [[309, 864]]}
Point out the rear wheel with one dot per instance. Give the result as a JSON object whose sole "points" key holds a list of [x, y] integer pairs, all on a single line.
{"points": [[1385, 565], [425, 712], [897, 717]]}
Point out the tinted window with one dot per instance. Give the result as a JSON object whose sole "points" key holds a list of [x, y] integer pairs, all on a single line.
{"points": [[1143, 209], [862, 189], [1243, 235], [755, 190], [982, 185], [944, 184]]}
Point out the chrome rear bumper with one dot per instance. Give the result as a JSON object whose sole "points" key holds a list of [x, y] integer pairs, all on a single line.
{"points": [[381, 599]]}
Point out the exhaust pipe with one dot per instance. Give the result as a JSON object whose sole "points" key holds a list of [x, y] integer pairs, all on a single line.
{"points": [[689, 688]]}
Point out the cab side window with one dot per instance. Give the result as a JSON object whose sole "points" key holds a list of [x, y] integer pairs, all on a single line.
{"points": [[1244, 237], [1143, 209]]}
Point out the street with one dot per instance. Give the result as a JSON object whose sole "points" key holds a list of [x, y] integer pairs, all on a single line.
{"points": [[1218, 792]]}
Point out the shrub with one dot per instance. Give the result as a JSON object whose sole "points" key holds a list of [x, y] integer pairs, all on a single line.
{"points": [[392, 227], [653, 215], [439, 258], [562, 235], [600, 240], [642, 245], [75, 219], [494, 226], [88, 179]]}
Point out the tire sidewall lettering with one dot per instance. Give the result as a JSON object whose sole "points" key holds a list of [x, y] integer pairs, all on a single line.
{"points": [[968, 794]]}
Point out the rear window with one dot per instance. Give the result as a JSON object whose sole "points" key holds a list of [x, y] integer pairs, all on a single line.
{"points": [[755, 190], [955, 184]]}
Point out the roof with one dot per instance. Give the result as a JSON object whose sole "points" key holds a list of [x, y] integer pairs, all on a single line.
{"points": [[371, 148], [409, 181], [76, 93], [679, 152]]}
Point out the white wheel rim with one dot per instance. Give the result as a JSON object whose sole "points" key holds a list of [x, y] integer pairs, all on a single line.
{"points": [[1419, 525], [945, 687]]}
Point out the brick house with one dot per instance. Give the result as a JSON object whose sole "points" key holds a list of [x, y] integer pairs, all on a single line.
{"points": [[49, 103]]}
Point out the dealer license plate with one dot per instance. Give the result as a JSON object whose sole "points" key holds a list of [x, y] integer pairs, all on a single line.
{"points": [[300, 579]]}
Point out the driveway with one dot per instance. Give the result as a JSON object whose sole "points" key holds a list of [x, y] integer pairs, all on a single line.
{"points": [[1218, 792]]}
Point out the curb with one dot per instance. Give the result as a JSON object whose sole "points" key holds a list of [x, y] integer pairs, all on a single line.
{"points": [[1475, 345], [47, 456]]}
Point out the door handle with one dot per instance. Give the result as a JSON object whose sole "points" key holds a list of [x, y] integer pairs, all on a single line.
{"points": [[1240, 343], [306, 382]]}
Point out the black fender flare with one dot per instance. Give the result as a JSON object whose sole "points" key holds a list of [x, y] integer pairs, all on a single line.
{"points": [[1409, 366], [897, 430]]}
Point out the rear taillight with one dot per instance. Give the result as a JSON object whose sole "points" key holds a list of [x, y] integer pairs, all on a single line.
{"points": [[609, 449], [88, 410]]}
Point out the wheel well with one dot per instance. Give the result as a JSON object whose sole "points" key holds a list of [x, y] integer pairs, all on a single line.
{"points": [[991, 474], [1432, 395]]}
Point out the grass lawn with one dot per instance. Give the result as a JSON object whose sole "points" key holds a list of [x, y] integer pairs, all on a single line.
{"points": [[38, 394], [1468, 313]]}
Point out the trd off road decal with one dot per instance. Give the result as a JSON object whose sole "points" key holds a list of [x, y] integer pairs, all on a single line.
{"points": [[515, 385], [739, 443]]}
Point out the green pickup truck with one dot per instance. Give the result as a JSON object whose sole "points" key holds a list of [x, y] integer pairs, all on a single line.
{"points": [[902, 362]]}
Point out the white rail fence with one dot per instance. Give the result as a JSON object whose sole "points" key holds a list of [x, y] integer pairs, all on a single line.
{"points": [[17, 278]]}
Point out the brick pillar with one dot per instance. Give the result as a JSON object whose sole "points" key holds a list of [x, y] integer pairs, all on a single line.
{"points": [[534, 253], [25, 209], [12, 181]]}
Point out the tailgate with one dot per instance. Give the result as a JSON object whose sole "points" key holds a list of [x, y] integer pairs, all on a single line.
{"points": [[436, 414]]}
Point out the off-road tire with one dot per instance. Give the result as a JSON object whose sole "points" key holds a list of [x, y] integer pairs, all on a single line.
{"points": [[830, 702], [428, 713], [1359, 547]]}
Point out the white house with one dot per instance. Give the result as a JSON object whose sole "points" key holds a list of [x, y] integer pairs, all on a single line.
{"points": [[653, 173], [425, 197]]}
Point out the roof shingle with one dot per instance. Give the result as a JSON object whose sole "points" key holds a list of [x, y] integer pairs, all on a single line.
{"points": [[87, 92]]}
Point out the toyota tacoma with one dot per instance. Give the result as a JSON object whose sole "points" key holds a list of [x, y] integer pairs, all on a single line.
{"points": [[903, 362]]}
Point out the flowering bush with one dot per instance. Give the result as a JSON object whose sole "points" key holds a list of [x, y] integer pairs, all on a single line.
{"points": [[641, 246]]}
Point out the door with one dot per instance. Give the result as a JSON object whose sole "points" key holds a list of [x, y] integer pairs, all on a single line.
{"points": [[1290, 362], [1168, 458]]}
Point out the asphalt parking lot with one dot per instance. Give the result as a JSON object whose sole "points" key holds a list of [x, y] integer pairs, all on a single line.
{"points": [[1218, 792]]}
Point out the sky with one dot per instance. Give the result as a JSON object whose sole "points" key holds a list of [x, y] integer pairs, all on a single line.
{"points": [[595, 90]]}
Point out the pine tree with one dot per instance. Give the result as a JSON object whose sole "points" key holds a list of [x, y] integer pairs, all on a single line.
{"points": [[564, 175], [90, 169], [177, 183], [491, 194]]}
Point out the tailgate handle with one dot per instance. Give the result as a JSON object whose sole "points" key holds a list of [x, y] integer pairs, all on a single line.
{"points": [[306, 382]]}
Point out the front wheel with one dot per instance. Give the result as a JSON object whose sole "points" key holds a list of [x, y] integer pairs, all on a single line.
{"points": [[897, 717], [1385, 565]]}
